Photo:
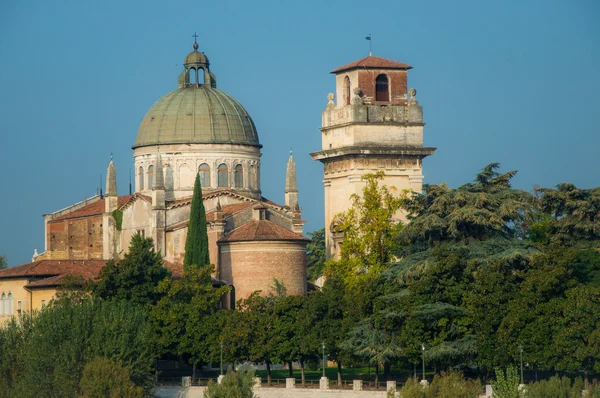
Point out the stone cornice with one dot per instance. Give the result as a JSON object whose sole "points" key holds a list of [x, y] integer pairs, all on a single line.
{"points": [[372, 151]]}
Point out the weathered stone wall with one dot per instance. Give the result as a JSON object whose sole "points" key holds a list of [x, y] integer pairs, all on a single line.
{"points": [[251, 266], [181, 163]]}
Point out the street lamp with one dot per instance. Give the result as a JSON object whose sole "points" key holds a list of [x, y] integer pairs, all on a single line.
{"points": [[323, 359], [521, 351], [423, 349], [221, 357]]}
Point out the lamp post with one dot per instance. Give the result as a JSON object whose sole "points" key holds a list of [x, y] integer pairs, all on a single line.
{"points": [[521, 351], [423, 349], [323, 359], [221, 357]]}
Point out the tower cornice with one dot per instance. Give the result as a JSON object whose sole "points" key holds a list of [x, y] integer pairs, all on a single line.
{"points": [[372, 151]]}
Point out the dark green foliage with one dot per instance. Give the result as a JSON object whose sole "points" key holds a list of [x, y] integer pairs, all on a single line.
{"points": [[575, 214], [196, 243], [485, 209], [105, 378], [184, 316], [234, 385], [47, 353], [3, 263], [135, 277], [315, 254]]}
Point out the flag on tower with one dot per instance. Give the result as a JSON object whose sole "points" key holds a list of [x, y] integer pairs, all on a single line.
{"points": [[368, 37]]}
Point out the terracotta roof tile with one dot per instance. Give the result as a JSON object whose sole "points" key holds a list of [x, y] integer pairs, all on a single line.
{"points": [[211, 215], [53, 281], [93, 209], [85, 268], [372, 62], [262, 230]]}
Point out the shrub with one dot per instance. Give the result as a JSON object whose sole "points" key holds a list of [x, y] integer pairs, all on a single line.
{"points": [[507, 384], [103, 378], [454, 385], [555, 387], [412, 389], [234, 385]]}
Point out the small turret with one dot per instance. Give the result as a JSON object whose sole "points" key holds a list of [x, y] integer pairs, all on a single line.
{"points": [[111, 203], [158, 189], [291, 186], [111, 196]]}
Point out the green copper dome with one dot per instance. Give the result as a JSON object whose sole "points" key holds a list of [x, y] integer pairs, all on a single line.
{"points": [[197, 114]]}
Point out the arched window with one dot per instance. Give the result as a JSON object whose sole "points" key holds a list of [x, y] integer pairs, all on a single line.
{"points": [[204, 171], [347, 90], [150, 177], [382, 92], [239, 176], [193, 76], [200, 76], [141, 179], [3, 304], [223, 175], [10, 304]]}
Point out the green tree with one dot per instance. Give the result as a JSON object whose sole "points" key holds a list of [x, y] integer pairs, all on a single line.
{"points": [[105, 378], [3, 263], [455, 236], [256, 327], [184, 316], [315, 254], [196, 243], [135, 277], [49, 350], [332, 321], [575, 214], [369, 229]]}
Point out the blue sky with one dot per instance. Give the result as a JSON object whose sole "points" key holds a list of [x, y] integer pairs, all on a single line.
{"points": [[514, 82]]}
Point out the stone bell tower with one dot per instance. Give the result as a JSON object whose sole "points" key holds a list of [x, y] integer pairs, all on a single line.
{"points": [[375, 124]]}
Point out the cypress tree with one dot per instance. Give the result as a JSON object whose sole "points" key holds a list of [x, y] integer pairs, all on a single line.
{"points": [[196, 244]]}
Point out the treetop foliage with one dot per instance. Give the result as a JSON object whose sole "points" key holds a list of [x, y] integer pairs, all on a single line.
{"points": [[487, 208], [135, 277]]}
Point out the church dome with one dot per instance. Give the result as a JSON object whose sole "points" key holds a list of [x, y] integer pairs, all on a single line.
{"points": [[197, 114]]}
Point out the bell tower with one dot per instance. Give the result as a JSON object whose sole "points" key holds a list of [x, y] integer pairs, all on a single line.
{"points": [[373, 123]]}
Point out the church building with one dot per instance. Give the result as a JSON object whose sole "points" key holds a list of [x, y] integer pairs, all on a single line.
{"points": [[196, 128], [373, 123]]}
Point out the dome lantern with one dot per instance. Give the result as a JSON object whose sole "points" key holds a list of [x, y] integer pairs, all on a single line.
{"points": [[196, 69]]}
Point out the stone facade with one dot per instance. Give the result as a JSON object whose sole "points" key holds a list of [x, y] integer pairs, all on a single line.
{"points": [[181, 162]]}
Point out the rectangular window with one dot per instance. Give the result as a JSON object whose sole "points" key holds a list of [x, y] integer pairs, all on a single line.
{"points": [[142, 232]]}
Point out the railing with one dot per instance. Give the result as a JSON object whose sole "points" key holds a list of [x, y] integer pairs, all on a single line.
{"points": [[281, 383]]}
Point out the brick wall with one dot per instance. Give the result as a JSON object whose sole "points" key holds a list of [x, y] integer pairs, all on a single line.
{"points": [[252, 266], [80, 239]]}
